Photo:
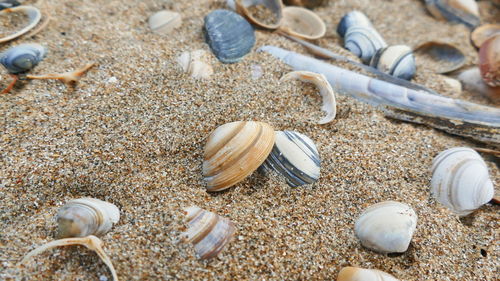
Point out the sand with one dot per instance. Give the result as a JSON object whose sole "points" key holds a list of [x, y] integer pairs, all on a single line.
{"points": [[133, 133]]}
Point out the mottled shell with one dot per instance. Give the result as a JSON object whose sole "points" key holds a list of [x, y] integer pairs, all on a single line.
{"points": [[483, 33], [489, 61], [5, 4], [163, 22], [361, 274], [295, 157], [396, 60], [22, 58], [234, 151], [274, 6], [86, 216], [386, 227], [460, 180], [34, 17], [209, 232], [354, 18], [302, 23], [363, 41], [442, 57], [229, 35], [460, 11]]}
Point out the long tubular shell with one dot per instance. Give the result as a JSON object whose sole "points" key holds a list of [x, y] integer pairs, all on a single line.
{"points": [[91, 242], [451, 115], [325, 90], [33, 14]]}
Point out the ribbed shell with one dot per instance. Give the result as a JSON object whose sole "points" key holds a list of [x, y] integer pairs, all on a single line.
{"points": [[460, 11], [209, 232], [386, 227], [22, 58], [354, 18], [396, 60], [460, 180], [363, 41], [295, 157], [361, 274], [86, 216]]}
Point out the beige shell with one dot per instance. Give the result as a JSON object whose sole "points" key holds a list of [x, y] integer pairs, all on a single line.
{"points": [[302, 23], [163, 22], [34, 17], [195, 63], [209, 232], [235, 150], [244, 7], [483, 33], [350, 273], [440, 56]]}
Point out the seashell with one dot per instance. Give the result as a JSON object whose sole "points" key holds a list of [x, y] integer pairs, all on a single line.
{"points": [[329, 103], [460, 180], [306, 3], [473, 82], [350, 273], [354, 18], [441, 57], [34, 17], [396, 60], [483, 33], [194, 63], [302, 23], [453, 84], [295, 157], [460, 11], [86, 216], [5, 4], [234, 150], [22, 58], [386, 227], [231, 4], [266, 14], [489, 61], [229, 35], [163, 22], [209, 232], [363, 41]]}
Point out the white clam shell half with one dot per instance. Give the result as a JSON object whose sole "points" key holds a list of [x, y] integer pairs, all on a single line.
{"points": [[163, 22], [34, 17]]}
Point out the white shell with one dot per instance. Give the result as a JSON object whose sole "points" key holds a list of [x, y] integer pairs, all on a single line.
{"points": [[460, 180], [195, 64], [86, 216], [34, 17], [386, 227], [361, 274], [163, 22]]}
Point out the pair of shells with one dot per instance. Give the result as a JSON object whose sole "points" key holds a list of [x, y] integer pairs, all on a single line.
{"points": [[235, 150], [460, 11], [34, 16], [350, 273], [386, 227], [196, 64], [460, 180], [22, 58]]}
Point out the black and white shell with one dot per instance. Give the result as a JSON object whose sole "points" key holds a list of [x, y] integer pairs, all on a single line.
{"points": [[22, 58], [396, 60], [354, 18]]}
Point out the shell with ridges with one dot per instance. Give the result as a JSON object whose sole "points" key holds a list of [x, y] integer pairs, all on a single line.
{"points": [[460, 180], [396, 60], [234, 150], [163, 22], [353, 18], [363, 41], [350, 273], [302, 23], [34, 17], [275, 6], [460, 11], [386, 227], [22, 58]]}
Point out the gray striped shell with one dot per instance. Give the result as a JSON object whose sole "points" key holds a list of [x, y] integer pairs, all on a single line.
{"points": [[354, 18], [295, 157], [363, 41], [22, 58], [459, 11], [396, 60]]}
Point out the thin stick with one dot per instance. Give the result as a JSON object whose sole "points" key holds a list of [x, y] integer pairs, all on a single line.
{"points": [[67, 77], [495, 153], [11, 85]]}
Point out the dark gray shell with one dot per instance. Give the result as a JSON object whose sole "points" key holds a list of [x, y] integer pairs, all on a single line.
{"points": [[396, 60], [443, 9], [363, 41], [354, 18], [5, 4], [22, 58], [295, 157], [229, 35]]}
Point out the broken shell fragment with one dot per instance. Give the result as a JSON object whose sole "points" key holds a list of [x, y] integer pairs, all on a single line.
{"points": [[306, 3], [350, 273], [386, 227], [163, 22], [195, 64], [489, 61], [329, 103], [266, 14], [209, 232], [302, 23], [5, 4], [229, 35], [86, 216], [483, 33], [234, 151], [34, 16], [441, 57], [459, 11], [396, 60], [473, 82], [295, 157], [460, 180], [22, 58]]}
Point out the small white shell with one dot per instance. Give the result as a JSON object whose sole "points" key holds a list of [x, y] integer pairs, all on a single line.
{"points": [[361, 274], [163, 22], [34, 16], [86, 216], [195, 64], [460, 180], [386, 227]]}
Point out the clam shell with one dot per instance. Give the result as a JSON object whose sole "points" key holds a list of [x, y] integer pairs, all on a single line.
{"points": [[302, 23], [306, 3], [22, 58], [460, 11], [234, 151], [229, 35], [34, 17], [363, 41], [244, 7], [295, 157], [483, 33], [86, 216], [163, 22], [361, 274], [209, 232], [354, 18], [443, 57], [386, 227], [5, 4], [489, 61], [473, 82], [396, 60], [460, 180]]}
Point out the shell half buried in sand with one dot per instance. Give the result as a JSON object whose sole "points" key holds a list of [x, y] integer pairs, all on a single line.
{"points": [[163, 22], [302, 23], [350, 273], [34, 17]]}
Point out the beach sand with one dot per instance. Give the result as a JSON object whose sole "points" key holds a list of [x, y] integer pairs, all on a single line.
{"points": [[133, 132]]}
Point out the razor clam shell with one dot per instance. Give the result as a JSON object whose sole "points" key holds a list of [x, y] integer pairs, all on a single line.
{"points": [[34, 17], [163, 22], [350, 273], [234, 151], [353, 18], [302, 23], [447, 57], [363, 41], [489, 61], [209, 232], [275, 6], [454, 116], [86, 216], [5, 4], [229, 35], [396, 60], [460, 180], [295, 157], [386, 227], [459, 11], [22, 58], [483, 33]]}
